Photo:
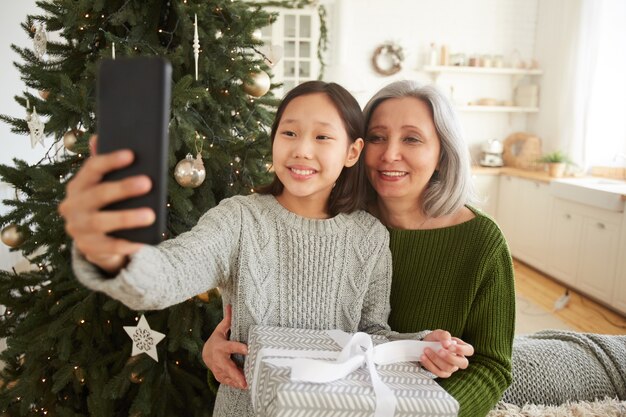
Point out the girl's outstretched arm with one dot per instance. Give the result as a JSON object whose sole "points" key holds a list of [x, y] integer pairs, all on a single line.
{"points": [[85, 221]]}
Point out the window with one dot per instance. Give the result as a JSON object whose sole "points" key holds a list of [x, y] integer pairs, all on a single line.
{"points": [[297, 32]]}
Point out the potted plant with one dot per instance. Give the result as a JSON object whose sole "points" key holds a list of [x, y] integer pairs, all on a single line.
{"points": [[556, 162]]}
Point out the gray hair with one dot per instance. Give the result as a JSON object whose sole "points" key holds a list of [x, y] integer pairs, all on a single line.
{"points": [[451, 187]]}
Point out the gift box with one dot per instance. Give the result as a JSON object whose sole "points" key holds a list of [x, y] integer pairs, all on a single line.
{"points": [[298, 372]]}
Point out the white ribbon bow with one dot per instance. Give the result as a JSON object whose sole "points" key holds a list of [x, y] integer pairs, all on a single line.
{"points": [[358, 350]]}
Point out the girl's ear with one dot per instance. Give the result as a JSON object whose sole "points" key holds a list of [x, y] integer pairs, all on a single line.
{"points": [[354, 151]]}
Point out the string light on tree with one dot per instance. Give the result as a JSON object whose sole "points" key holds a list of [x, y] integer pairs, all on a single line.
{"points": [[79, 374]]}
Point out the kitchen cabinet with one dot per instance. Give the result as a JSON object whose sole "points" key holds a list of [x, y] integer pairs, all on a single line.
{"points": [[535, 207], [584, 249], [580, 245], [508, 208], [523, 214], [486, 186], [566, 229], [598, 257], [516, 74], [619, 292]]}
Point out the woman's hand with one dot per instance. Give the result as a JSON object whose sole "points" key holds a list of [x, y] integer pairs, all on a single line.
{"points": [[85, 221], [448, 360], [216, 354]]}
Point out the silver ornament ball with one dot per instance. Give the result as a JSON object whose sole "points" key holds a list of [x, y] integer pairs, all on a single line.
{"points": [[190, 172]]}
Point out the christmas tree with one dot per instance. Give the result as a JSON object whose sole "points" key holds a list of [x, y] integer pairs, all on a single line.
{"points": [[68, 352]]}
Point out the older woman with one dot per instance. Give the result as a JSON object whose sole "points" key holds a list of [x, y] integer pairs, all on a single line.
{"points": [[451, 265]]}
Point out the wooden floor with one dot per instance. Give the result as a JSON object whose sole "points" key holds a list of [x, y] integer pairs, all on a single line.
{"points": [[580, 313]]}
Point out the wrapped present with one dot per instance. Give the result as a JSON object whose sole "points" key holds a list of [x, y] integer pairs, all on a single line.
{"points": [[297, 372]]}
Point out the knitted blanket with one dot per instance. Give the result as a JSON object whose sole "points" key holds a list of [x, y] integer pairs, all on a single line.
{"points": [[553, 367]]}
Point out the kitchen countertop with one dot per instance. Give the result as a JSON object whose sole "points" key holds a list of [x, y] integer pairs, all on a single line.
{"points": [[522, 173], [516, 172]]}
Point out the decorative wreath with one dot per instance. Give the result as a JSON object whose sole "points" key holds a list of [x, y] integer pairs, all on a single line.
{"points": [[387, 58]]}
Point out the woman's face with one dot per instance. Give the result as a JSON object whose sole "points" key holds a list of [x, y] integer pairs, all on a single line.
{"points": [[402, 149]]}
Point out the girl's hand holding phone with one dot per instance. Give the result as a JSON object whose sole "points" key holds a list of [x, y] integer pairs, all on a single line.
{"points": [[448, 360], [88, 225]]}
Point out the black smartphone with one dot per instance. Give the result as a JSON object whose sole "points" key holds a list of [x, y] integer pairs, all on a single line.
{"points": [[133, 111]]}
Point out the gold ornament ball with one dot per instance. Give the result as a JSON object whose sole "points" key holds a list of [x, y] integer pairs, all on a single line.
{"points": [[204, 297], [80, 375], [13, 236], [190, 172], [132, 360], [44, 94], [258, 85], [208, 295], [135, 378], [70, 137], [10, 384]]}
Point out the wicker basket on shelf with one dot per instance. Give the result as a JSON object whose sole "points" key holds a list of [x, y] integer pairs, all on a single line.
{"points": [[522, 150]]}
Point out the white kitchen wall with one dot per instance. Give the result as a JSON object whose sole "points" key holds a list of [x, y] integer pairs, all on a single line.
{"points": [[12, 145], [494, 27], [12, 14]]}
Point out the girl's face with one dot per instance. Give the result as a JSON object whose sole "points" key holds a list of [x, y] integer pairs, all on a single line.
{"points": [[402, 150], [310, 149]]}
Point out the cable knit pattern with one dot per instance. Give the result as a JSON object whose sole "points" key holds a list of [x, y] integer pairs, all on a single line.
{"points": [[274, 267]]}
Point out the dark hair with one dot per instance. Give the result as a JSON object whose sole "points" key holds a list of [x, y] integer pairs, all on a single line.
{"points": [[348, 194]]}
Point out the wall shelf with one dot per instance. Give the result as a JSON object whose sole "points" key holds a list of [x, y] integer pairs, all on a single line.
{"points": [[516, 74], [498, 109], [481, 70]]}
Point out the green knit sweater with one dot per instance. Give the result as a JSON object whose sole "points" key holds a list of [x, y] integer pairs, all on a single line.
{"points": [[460, 279]]}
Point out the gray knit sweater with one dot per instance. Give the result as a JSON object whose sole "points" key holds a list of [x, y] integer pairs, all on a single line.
{"points": [[274, 267]]}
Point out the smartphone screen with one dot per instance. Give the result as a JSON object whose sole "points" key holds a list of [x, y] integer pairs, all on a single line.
{"points": [[133, 110]]}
